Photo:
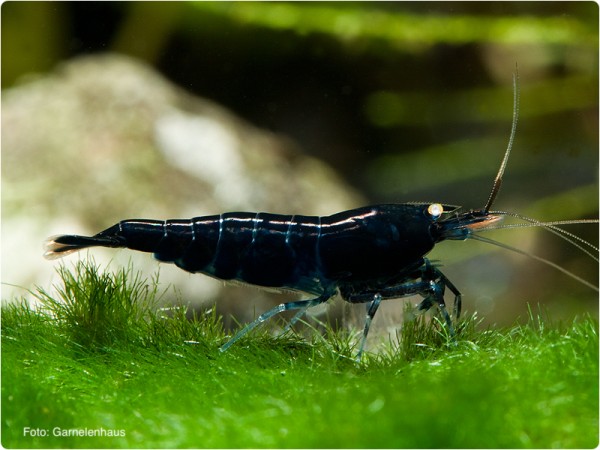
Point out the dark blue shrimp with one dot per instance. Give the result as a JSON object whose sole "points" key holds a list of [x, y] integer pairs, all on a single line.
{"points": [[367, 254]]}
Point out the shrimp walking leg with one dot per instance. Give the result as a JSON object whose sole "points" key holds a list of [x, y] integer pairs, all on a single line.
{"points": [[294, 319], [371, 310], [302, 305], [456, 310], [431, 286]]}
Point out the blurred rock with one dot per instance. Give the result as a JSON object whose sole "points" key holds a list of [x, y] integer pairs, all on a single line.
{"points": [[106, 138]]}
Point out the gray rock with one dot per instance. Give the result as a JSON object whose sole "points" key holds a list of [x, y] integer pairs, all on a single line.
{"points": [[106, 138]]}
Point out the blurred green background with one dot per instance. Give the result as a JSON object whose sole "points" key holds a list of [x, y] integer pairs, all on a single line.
{"points": [[408, 101]]}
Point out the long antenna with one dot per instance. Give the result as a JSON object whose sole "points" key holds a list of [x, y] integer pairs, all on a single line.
{"points": [[498, 180], [537, 258]]}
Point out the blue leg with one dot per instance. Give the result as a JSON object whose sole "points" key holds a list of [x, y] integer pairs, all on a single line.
{"points": [[431, 286], [302, 305], [437, 298], [295, 319], [432, 273], [371, 310], [457, 295]]}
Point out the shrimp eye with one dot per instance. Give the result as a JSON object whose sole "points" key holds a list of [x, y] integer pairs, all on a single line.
{"points": [[435, 210]]}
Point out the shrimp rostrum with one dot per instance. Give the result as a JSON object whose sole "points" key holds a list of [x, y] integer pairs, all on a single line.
{"points": [[366, 255]]}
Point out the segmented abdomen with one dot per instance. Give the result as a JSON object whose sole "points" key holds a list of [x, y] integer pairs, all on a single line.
{"points": [[257, 248]]}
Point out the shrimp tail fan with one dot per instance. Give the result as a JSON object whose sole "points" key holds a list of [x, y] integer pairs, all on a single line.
{"points": [[61, 245]]}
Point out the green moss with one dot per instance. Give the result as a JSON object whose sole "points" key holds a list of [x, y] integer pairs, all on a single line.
{"points": [[161, 380]]}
